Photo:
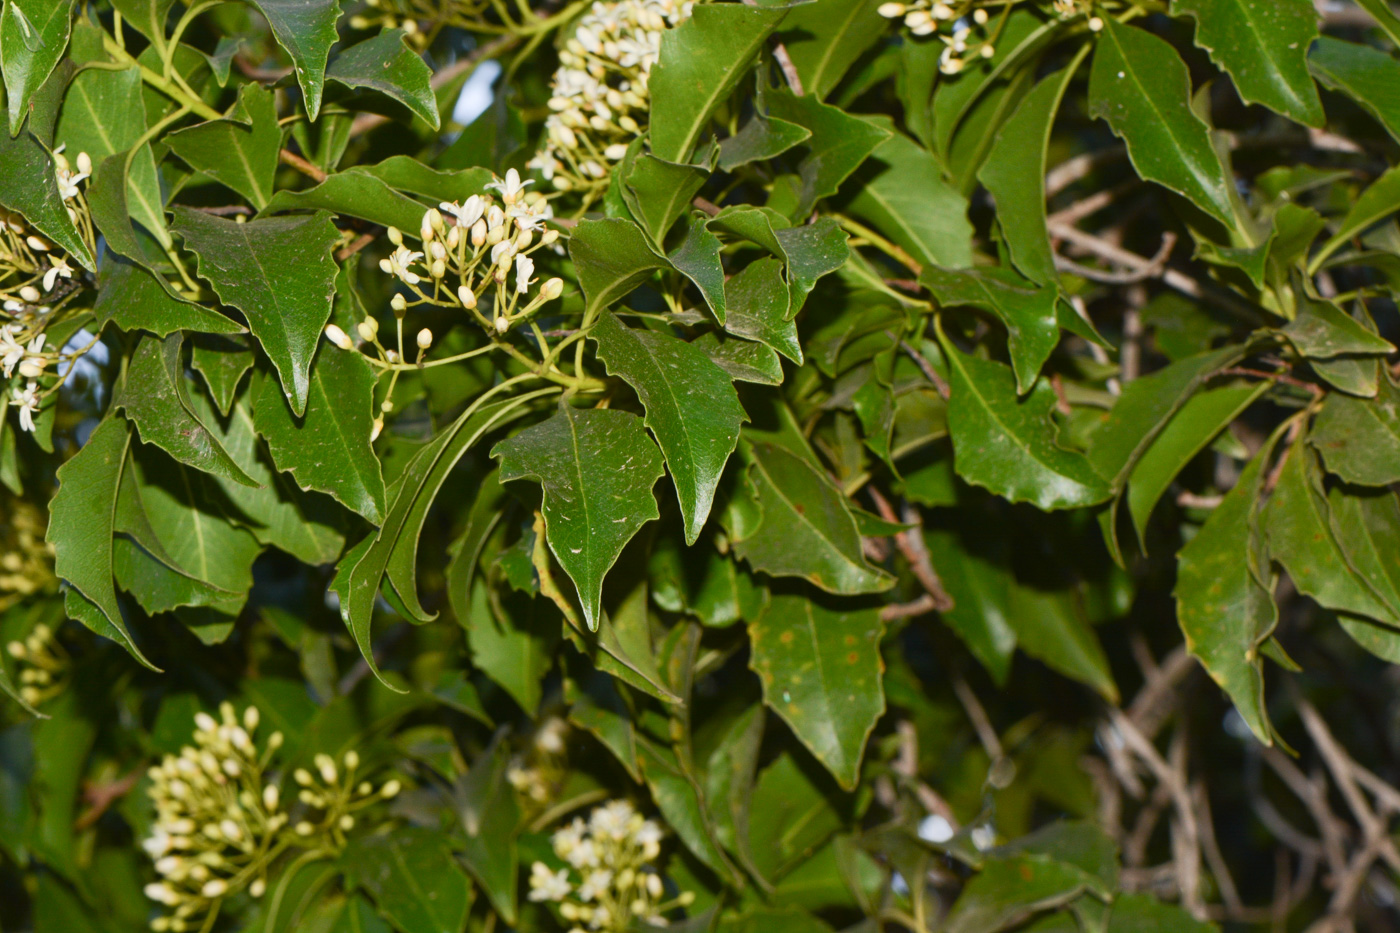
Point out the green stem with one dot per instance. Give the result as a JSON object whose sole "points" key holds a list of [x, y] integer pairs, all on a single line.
{"points": [[166, 87]]}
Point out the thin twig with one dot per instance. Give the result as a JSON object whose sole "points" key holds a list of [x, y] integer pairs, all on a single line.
{"points": [[227, 210], [991, 743], [301, 165], [924, 604], [357, 244], [931, 374]]}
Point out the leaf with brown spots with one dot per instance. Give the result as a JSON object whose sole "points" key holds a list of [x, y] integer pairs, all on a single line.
{"points": [[821, 672]]}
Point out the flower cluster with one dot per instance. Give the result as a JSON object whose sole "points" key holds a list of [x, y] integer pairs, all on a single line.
{"points": [[31, 271], [966, 37], [217, 821], [485, 246], [537, 775], [43, 665], [26, 559], [220, 823], [599, 93], [613, 854]]}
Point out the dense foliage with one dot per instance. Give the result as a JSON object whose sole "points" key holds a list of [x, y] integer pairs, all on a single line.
{"points": [[775, 468]]}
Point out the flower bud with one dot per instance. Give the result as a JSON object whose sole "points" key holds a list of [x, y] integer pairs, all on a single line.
{"points": [[304, 828], [33, 367], [399, 304], [1095, 24], [36, 244], [438, 269], [425, 340], [326, 766], [367, 333], [84, 163], [479, 233], [395, 236], [467, 297], [215, 888], [375, 429], [274, 741], [523, 239], [454, 236], [502, 325], [552, 289], [390, 789], [30, 294], [271, 796], [258, 887], [549, 237], [347, 823], [302, 777]]}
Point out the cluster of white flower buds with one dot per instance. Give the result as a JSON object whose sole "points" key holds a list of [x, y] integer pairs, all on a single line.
{"points": [[599, 95], [537, 775], [618, 884], [26, 559], [334, 795], [966, 37], [216, 820], [42, 664]]}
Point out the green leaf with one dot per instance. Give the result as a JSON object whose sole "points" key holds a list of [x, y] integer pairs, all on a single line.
{"points": [[823, 40], [1375, 204], [465, 551], [1385, 17], [1359, 439], [596, 705], [1007, 889], [157, 401], [612, 257], [147, 17], [803, 526], [490, 815], [1145, 407], [743, 361], [1322, 330], [329, 448], [1299, 525], [657, 192], [1143, 913], [413, 878], [702, 60], [239, 152], [33, 37], [102, 115], [597, 467], [1204, 416], [904, 195], [28, 186], [1140, 86], [1364, 73], [759, 140], [697, 258], [839, 144], [109, 199], [81, 518], [1007, 445], [1264, 48], [810, 250], [821, 672], [669, 375], [678, 797], [280, 274], [1027, 311], [306, 29], [134, 299], [757, 299], [513, 641], [386, 64], [223, 362], [1366, 525], [1014, 174], [354, 193]]}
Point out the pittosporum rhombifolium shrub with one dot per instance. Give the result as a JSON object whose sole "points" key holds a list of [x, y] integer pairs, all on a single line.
{"points": [[743, 467]]}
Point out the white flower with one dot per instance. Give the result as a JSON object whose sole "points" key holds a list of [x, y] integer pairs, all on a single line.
{"points": [[398, 264], [611, 819], [338, 337], [57, 266], [28, 400], [524, 268], [595, 884], [648, 836], [468, 213], [511, 188], [546, 885], [11, 352], [584, 855]]}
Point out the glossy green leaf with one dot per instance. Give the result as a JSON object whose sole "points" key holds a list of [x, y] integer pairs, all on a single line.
{"points": [[102, 115], [354, 193], [156, 399], [1322, 331], [678, 797], [1301, 538], [33, 37], [1007, 445], [1014, 175], [824, 40], [1364, 73], [803, 526], [701, 62], [597, 468], [280, 274], [147, 17], [81, 519], [134, 299], [1264, 48], [1376, 203], [821, 672], [306, 29], [223, 362], [1027, 311], [756, 299], [1143, 913], [413, 878], [810, 251], [1385, 17], [513, 641], [486, 804], [1140, 86], [671, 377], [386, 64], [1359, 439], [612, 257], [697, 258], [904, 195], [239, 152], [838, 145], [328, 449], [1204, 416], [1366, 526], [760, 139], [658, 192], [1006, 889], [743, 361], [110, 201]]}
